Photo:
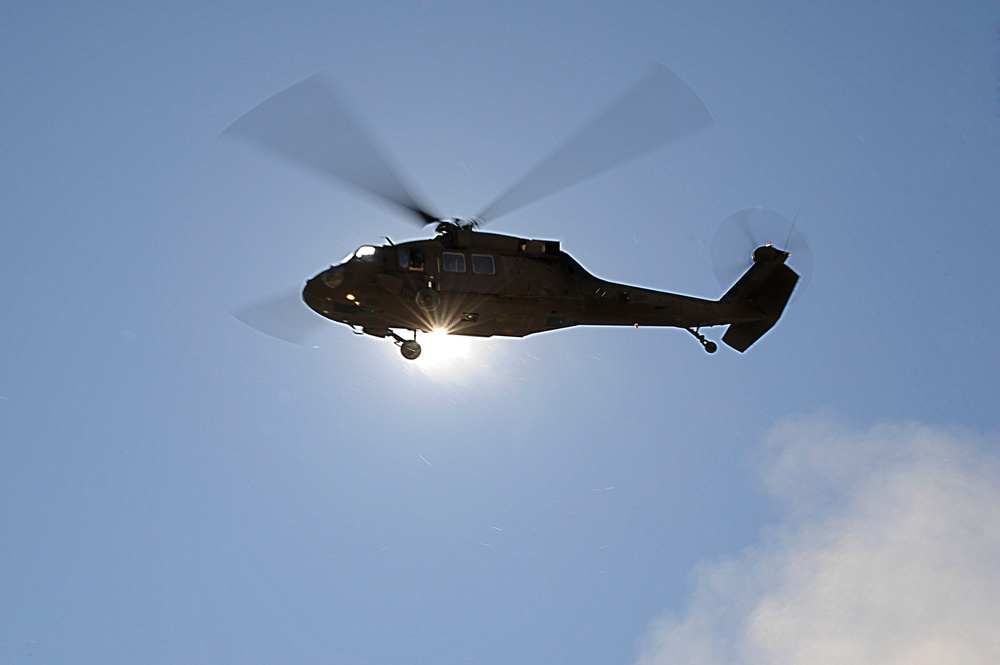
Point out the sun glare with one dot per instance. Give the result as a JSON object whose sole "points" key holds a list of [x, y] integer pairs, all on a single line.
{"points": [[441, 351]]}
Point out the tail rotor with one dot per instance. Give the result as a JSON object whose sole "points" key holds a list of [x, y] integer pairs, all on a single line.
{"points": [[743, 233]]}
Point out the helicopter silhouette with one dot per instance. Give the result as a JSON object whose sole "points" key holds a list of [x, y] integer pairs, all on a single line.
{"points": [[469, 282]]}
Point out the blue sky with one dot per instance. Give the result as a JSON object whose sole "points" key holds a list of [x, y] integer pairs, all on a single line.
{"points": [[177, 487]]}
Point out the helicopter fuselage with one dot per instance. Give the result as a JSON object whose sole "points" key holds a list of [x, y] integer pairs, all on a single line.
{"points": [[468, 282]]}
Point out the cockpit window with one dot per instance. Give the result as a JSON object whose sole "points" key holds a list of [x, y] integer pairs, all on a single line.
{"points": [[365, 253]]}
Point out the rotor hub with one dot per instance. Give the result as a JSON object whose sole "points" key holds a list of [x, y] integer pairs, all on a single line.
{"points": [[768, 252], [467, 224]]}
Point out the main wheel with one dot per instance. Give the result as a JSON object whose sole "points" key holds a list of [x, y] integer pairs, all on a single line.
{"points": [[711, 347], [410, 349]]}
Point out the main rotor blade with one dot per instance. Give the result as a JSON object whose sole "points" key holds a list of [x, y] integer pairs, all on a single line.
{"points": [[284, 316], [308, 124], [660, 109]]}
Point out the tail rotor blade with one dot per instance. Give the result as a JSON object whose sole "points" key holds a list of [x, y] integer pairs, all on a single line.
{"points": [[744, 231]]}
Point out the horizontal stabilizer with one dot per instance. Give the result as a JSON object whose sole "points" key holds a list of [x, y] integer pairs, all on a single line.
{"points": [[766, 287]]}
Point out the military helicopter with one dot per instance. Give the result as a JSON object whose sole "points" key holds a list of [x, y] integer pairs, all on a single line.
{"points": [[469, 282]]}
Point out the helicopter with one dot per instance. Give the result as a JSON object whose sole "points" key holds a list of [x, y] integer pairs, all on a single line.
{"points": [[466, 281]]}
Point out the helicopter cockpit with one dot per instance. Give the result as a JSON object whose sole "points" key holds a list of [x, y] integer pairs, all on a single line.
{"points": [[363, 254]]}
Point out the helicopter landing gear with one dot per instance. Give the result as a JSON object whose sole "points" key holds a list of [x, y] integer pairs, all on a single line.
{"points": [[710, 347], [410, 348]]}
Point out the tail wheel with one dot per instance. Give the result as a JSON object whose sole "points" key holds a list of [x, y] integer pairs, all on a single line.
{"points": [[709, 345]]}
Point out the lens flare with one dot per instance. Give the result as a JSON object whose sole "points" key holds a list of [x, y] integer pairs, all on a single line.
{"points": [[443, 354]]}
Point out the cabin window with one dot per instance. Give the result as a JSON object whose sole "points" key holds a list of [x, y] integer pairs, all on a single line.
{"points": [[453, 261], [404, 258], [482, 264]]}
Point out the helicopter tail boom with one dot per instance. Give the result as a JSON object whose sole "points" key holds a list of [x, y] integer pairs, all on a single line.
{"points": [[766, 288]]}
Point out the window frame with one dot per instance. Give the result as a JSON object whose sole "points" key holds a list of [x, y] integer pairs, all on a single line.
{"points": [[459, 265]]}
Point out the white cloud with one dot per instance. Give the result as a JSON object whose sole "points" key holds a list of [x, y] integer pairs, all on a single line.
{"points": [[889, 553]]}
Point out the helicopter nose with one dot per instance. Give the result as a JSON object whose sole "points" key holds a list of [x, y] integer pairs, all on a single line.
{"points": [[333, 277]]}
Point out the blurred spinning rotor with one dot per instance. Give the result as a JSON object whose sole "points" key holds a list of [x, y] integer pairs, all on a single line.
{"points": [[744, 231]]}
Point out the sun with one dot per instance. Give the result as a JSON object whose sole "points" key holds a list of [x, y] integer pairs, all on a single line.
{"points": [[443, 353]]}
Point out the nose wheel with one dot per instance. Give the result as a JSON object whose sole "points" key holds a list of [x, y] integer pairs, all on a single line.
{"points": [[710, 346]]}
